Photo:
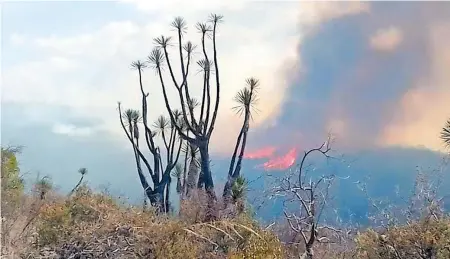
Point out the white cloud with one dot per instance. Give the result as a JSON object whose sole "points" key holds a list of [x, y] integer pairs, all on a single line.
{"points": [[180, 5], [386, 39], [90, 72], [17, 39], [316, 12], [71, 130]]}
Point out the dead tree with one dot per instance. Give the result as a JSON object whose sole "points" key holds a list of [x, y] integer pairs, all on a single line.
{"points": [[310, 198], [424, 201], [415, 215]]}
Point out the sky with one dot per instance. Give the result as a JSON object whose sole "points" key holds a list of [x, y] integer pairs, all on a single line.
{"points": [[375, 74]]}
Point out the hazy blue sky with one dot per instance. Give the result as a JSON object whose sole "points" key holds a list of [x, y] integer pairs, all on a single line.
{"points": [[375, 73]]}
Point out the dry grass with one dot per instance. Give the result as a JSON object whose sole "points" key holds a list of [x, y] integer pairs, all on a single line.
{"points": [[92, 225], [95, 225], [18, 221], [427, 238]]}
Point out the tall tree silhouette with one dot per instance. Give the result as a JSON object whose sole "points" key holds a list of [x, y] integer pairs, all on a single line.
{"points": [[130, 121], [203, 126], [83, 171], [194, 122], [246, 99]]}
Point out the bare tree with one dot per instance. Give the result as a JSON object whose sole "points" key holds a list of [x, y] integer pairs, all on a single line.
{"points": [[405, 228], [424, 200], [310, 199]]}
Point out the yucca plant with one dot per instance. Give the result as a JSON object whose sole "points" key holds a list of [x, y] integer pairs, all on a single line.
{"points": [[191, 153], [201, 128], [43, 186], [83, 171], [445, 133], [238, 193], [195, 128], [126, 118], [246, 99], [178, 173]]}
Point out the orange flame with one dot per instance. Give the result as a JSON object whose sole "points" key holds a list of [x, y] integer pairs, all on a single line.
{"points": [[282, 162], [266, 152]]}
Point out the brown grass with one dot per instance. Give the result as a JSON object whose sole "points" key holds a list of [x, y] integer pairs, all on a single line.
{"points": [[90, 225]]}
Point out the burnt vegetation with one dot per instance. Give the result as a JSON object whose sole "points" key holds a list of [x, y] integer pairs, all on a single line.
{"points": [[174, 150]]}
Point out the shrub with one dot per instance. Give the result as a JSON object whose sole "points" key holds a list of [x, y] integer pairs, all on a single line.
{"points": [[11, 182], [54, 223], [427, 238], [12, 194], [94, 225]]}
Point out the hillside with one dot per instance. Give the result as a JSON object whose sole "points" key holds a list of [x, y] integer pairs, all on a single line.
{"points": [[225, 129], [47, 224]]}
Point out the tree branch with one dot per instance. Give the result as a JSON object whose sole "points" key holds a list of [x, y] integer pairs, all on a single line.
{"points": [[216, 19]]}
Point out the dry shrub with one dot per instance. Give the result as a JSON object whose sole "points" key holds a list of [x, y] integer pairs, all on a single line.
{"points": [[427, 238], [194, 209], [341, 245], [19, 209], [12, 187], [197, 208], [92, 225]]}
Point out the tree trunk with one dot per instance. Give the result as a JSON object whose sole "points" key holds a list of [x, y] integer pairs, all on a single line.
{"points": [[192, 177], [144, 183], [201, 180], [167, 197], [227, 191], [308, 254], [237, 170], [240, 206], [179, 186], [305, 256], [233, 174], [185, 170], [157, 199], [144, 206], [206, 171], [227, 188], [211, 212], [76, 186]]}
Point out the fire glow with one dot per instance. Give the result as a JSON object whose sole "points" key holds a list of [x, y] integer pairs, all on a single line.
{"points": [[282, 162], [266, 152], [275, 162]]}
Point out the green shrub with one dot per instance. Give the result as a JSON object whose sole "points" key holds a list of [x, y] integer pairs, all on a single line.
{"points": [[11, 182]]}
